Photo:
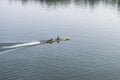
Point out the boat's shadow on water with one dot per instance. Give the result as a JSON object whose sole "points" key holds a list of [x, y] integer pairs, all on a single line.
{"points": [[11, 46]]}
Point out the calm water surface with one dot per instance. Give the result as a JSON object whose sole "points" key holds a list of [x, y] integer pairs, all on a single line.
{"points": [[93, 53]]}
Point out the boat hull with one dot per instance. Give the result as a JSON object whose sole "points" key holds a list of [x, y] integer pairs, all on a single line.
{"points": [[58, 40]]}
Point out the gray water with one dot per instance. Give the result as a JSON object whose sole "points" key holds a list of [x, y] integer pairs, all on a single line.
{"points": [[93, 53]]}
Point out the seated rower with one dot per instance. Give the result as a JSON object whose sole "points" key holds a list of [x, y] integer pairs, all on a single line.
{"points": [[58, 38], [50, 41]]}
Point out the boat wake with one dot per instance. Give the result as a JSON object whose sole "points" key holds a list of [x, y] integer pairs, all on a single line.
{"points": [[22, 45], [8, 46]]}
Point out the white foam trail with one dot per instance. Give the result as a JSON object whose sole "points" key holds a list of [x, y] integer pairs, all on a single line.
{"points": [[22, 45]]}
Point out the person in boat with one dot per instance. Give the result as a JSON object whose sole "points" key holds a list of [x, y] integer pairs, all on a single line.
{"points": [[50, 41], [58, 38]]}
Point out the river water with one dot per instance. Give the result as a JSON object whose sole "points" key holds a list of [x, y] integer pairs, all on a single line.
{"points": [[93, 53]]}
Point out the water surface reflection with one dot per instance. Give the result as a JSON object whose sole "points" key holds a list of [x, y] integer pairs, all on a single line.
{"points": [[87, 3]]}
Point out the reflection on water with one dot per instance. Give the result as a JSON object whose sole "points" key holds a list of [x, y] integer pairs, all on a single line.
{"points": [[89, 3]]}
